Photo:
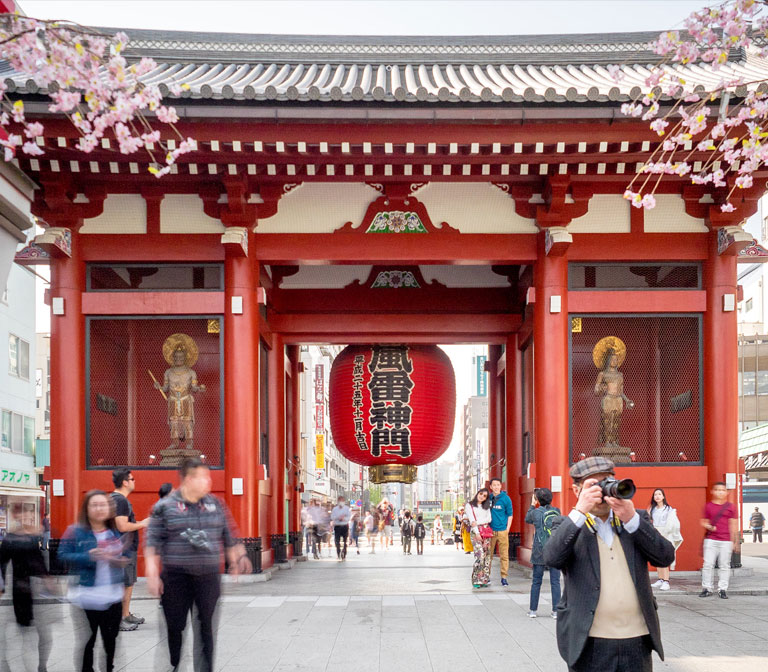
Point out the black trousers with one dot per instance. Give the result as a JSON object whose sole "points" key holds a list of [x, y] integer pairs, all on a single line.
{"points": [[757, 535], [615, 655], [340, 532], [180, 592], [108, 621]]}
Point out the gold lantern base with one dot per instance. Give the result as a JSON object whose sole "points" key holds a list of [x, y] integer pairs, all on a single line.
{"points": [[392, 473]]}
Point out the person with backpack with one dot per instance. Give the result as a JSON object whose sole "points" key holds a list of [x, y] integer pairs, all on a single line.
{"points": [[543, 519], [420, 532], [406, 530]]}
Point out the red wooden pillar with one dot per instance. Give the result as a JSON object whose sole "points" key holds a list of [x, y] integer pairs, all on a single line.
{"points": [[720, 366], [550, 337], [514, 434], [241, 386], [495, 411], [294, 445], [277, 435], [67, 385]]}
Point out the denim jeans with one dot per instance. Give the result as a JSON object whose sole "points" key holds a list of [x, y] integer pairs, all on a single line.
{"points": [[554, 582]]}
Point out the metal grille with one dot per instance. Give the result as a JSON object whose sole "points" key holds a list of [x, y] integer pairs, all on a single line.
{"points": [[636, 388], [129, 421], [654, 276]]}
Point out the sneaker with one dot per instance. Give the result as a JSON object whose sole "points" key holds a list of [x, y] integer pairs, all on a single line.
{"points": [[504, 582], [532, 614], [554, 615], [134, 618], [658, 584], [126, 626], [705, 593], [664, 585], [722, 594]]}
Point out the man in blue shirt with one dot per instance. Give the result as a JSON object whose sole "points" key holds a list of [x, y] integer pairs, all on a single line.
{"points": [[501, 519]]}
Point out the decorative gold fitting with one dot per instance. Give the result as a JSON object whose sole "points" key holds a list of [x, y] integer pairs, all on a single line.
{"points": [[393, 473]]}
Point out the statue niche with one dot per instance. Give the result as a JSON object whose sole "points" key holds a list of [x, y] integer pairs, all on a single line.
{"points": [[608, 355], [178, 389]]}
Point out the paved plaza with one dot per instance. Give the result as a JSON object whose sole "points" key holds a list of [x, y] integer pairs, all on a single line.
{"points": [[396, 613]]}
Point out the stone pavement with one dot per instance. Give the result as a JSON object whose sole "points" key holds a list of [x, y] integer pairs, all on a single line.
{"points": [[399, 613]]}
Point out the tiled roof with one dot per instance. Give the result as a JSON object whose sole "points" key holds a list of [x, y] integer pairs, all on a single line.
{"points": [[286, 68]]}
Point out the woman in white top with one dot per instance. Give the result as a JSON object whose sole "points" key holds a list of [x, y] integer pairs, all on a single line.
{"points": [[665, 520], [477, 514]]}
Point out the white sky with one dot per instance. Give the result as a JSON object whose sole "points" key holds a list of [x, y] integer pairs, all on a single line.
{"points": [[374, 17]]}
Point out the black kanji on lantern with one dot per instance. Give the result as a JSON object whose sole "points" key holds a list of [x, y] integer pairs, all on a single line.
{"points": [[390, 413]]}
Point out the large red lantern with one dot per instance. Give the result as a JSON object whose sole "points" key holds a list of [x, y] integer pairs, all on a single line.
{"points": [[392, 407]]}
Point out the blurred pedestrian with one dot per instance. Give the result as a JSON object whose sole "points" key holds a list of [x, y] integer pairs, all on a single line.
{"points": [[188, 533], [387, 518], [355, 526], [125, 521], [46, 527], [406, 531], [314, 518], [542, 515], [477, 514], [164, 490], [720, 522], [457, 527], [665, 520], [419, 534], [96, 554], [340, 515], [438, 526], [20, 548], [371, 530], [757, 523]]}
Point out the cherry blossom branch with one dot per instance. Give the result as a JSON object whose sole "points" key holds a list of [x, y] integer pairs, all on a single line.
{"points": [[736, 138], [90, 81]]}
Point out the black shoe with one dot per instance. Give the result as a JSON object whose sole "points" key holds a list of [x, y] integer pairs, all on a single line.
{"points": [[706, 593], [722, 594]]}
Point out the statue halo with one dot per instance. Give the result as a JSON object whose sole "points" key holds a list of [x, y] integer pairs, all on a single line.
{"points": [[180, 342], [604, 345]]}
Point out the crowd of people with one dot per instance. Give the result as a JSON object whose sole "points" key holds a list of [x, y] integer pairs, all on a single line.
{"points": [[603, 602]]}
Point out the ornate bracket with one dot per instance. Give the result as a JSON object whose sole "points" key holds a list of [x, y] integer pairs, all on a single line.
{"points": [[32, 255], [235, 240], [397, 212], [56, 241], [732, 239], [754, 253], [556, 241], [55, 204], [564, 202], [239, 208]]}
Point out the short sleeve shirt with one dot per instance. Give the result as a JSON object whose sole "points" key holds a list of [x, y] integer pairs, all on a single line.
{"points": [[124, 508], [721, 532]]}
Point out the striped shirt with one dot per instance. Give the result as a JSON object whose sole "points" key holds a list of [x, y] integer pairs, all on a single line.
{"points": [[190, 537]]}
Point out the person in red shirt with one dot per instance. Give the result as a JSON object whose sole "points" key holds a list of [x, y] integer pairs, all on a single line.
{"points": [[720, 522]]}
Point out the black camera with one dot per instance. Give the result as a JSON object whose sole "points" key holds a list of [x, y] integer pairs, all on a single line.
{"points": [[621, 489]]}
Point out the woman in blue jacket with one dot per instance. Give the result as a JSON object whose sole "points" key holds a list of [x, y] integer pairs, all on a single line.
{"points": [[94, 552]]}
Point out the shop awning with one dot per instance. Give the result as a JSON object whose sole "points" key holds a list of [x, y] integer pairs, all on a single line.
{"points": [[21, 492]]}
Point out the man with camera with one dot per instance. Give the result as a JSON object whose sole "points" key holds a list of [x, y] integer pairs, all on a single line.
{"points": [[606, 619], [189, 531]]}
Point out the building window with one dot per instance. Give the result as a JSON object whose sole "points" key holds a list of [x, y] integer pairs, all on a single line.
{"points": [[18, 357], [18, 433], [748, 305]]}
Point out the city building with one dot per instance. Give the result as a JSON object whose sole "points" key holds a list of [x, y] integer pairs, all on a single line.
{"points": [[389, 190], [19, 479]]}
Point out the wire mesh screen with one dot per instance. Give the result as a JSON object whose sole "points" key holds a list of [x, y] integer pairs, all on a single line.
{"points": [[134, 422], [636, 388]]}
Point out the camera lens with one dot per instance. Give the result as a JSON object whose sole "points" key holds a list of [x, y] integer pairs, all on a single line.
{"points": [[623, 489]]}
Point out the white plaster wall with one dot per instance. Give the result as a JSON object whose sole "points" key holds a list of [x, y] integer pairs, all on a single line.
{"points": [[473, 208], [669, 216], [123, 213], [183, 213], [608, 213], [319, 207]]}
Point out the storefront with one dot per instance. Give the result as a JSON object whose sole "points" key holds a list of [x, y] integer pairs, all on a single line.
{"points": [[20, 498]]}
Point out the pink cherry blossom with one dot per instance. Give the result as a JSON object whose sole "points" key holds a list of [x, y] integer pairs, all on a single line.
{"points": [[91, 82]]}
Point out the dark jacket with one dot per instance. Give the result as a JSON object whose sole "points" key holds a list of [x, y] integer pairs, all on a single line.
{"points": [[535, 517], [23, 550], [75, 549], [574, 551]]}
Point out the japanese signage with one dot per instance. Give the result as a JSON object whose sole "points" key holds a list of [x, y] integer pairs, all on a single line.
{"points": [[320, 451], [481, 377], [18, 478], [390, 388], [320, 397]]}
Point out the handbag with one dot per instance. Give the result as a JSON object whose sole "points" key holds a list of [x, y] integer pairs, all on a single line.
{"points": [[485, 530]]}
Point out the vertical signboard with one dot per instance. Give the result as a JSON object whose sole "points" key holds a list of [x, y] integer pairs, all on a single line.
{"points": [[320, 398], [481, 377]]}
